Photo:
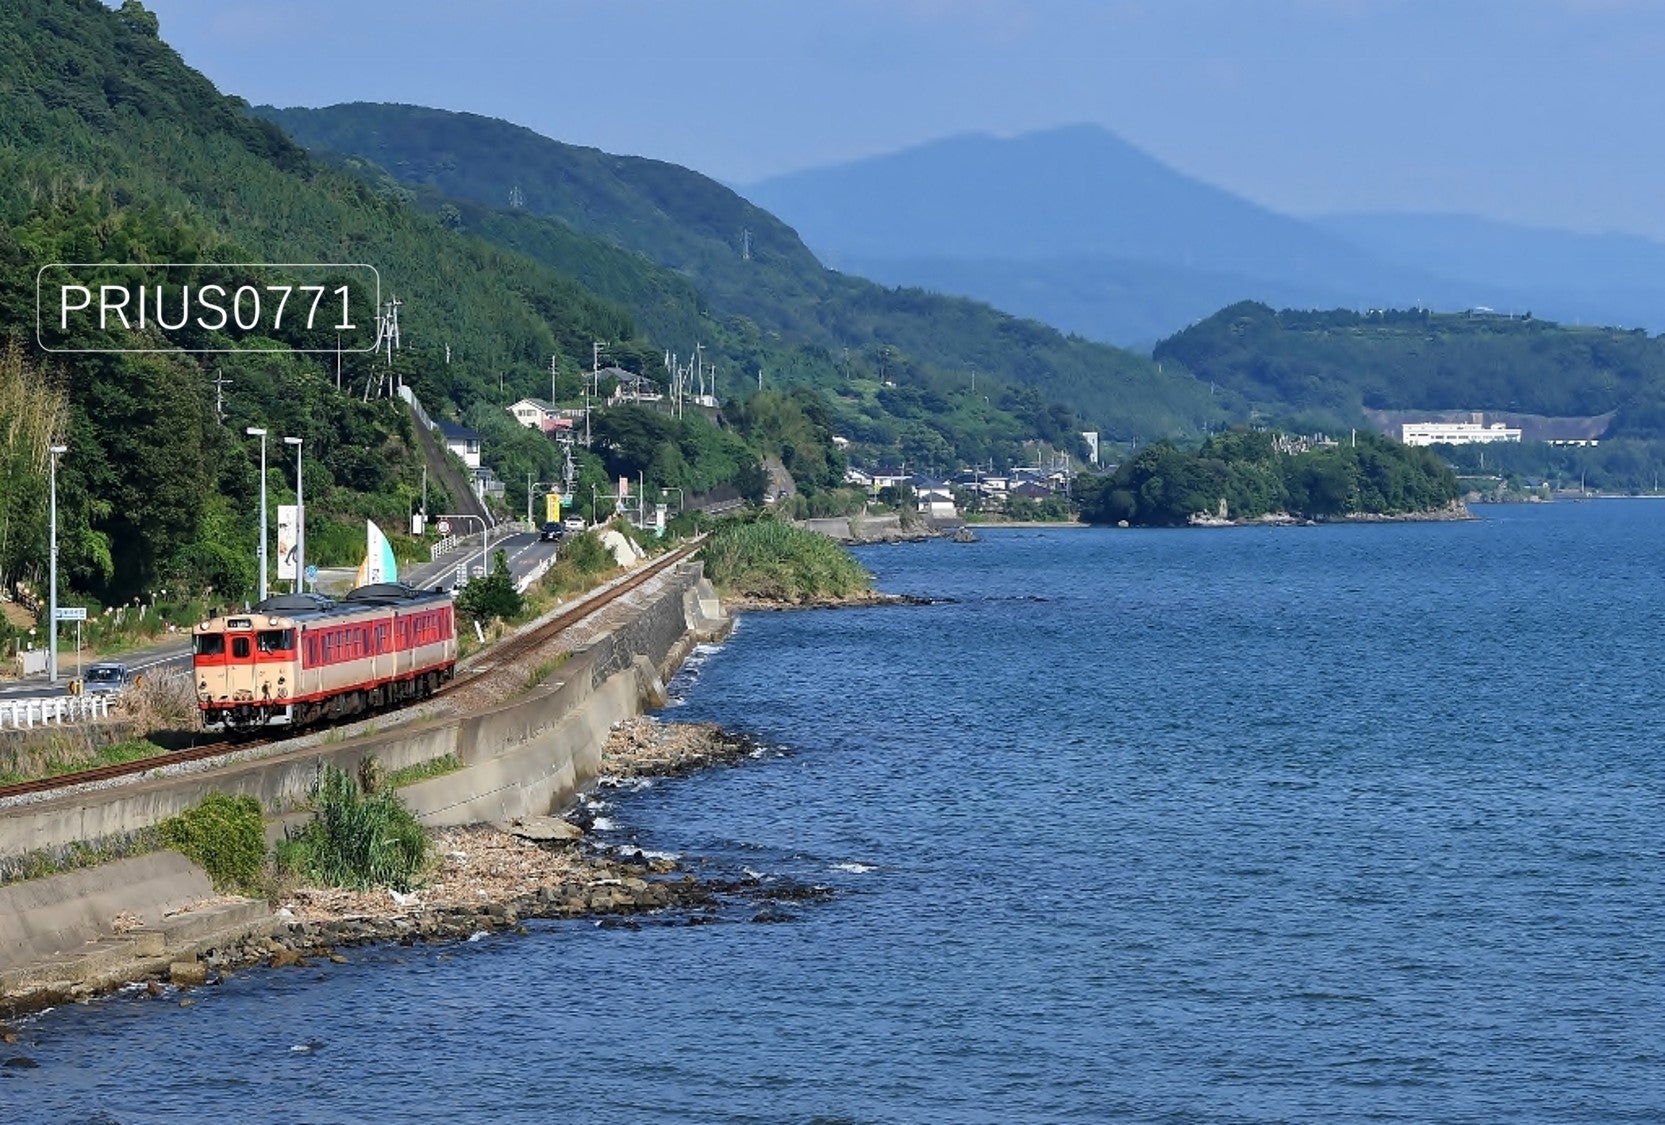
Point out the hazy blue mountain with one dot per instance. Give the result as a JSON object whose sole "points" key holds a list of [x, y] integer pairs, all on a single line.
{"points": [[1146, 301], [1080, 229], [756, 275], [1594, 278]]}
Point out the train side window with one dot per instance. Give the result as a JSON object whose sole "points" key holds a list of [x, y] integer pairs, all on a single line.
{"points": [[209, 644], [240, 647]]}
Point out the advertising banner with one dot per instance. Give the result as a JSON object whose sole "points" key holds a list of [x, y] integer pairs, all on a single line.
{"points": [[287, 541]]}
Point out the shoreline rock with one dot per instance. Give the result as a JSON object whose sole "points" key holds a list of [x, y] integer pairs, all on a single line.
{"points": [[740, 603], [1456, 511], [486, 880]]}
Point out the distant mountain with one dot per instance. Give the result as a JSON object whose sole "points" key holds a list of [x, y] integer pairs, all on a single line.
{"points": [[1080, 229], [1609, 279], [753, 269]]}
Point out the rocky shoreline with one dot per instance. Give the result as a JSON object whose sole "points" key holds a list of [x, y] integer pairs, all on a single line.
{"points": [[1455, 511], [743, 603], [487, 879]]}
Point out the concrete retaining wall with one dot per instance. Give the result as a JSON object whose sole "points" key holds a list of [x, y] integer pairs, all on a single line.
{"points": [[544, 736], [43, 916]]}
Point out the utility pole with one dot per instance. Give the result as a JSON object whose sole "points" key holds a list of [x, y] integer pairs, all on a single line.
{"points": [[52, 579], [595, 375], [220, 384], [551, 380]]}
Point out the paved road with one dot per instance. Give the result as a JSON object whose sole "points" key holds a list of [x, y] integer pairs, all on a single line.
{"points": [[524, 549]]}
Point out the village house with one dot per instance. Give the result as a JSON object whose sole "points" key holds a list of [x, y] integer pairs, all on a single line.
{"points": [[537, 414]]}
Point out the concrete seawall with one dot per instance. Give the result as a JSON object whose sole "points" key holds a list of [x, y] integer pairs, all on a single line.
{"points": [[529, 755]]}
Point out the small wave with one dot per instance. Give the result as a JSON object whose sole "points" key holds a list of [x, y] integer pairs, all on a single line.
{"points": [[856, 868], [477, 935], [601, 824], [628, 784]]}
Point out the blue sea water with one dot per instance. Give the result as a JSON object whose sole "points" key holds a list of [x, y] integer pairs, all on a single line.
{"points": [[1283, 824]]}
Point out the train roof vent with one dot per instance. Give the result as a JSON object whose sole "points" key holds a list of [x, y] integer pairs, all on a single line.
{"points": [[296, 603], [378, 592]]}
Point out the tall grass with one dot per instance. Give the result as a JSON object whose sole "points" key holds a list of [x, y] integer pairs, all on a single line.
{"points": [[770, 559], [356, 840]]}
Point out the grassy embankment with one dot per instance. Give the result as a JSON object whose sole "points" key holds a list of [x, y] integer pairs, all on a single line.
{"points": [[777, 562]]}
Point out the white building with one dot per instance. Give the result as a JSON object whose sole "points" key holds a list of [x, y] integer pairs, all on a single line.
{"points": [[535, 414], [1455, 433]]}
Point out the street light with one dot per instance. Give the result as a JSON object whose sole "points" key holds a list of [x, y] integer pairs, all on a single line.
{"points": [[256, 431], [300, 517], [52, 566]]}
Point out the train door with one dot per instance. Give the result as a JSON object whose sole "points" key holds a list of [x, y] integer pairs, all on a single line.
{"points": [[240, 666]]}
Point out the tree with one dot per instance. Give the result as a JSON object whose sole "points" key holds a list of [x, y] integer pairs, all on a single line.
{"points": [[491, 596]]}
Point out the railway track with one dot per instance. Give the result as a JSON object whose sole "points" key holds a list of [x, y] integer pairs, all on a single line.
{"points": [[505, 651]]}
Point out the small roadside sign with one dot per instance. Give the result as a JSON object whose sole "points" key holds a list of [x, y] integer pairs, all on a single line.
{"points": [[445, 527], [311, 572], [72, 613]]}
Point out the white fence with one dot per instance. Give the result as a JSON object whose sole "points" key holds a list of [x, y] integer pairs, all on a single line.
{"points": [[444, 546], [53, 710]]}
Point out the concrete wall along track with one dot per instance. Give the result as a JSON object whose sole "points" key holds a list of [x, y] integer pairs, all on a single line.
{"points": [[530, 754]]}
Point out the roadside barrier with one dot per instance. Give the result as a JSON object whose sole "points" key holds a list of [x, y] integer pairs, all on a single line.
{"points": [[56, 710]]}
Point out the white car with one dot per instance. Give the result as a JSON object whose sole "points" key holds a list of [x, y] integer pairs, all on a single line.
{"points": [[574, 523]]}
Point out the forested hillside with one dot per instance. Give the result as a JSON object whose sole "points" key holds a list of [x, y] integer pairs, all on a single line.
{"points": [[757, 276], [1339, 364], [112, 150], [1245, 474]]}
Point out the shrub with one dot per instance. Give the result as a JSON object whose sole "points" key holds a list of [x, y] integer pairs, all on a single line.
{"points": [[354, 840], [770, 559], [226, 835], [492, 595]]}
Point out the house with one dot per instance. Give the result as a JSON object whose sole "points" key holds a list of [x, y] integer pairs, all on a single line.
{"points": [[462, 441], [886, 478], [632, 387], [536, 414]]}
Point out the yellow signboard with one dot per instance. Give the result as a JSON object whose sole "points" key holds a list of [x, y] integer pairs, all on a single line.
{"points": [[552, 507]]}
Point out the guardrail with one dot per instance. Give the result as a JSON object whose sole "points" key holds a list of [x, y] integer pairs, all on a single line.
{"points": [[57, 710], [449, 543]]}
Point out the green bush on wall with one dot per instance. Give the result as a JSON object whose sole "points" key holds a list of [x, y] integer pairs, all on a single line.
{"points": [[225, 835]]}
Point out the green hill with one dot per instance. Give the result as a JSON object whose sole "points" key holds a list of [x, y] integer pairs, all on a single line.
{"points": [[1341, 364], [758, 277], [111, 149]]}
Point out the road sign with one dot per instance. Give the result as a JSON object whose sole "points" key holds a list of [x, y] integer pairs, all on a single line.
{"points": [[72, 613], [445, 527], [311, 572]]}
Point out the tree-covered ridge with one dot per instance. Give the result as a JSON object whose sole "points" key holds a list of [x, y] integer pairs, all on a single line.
{"points": [[1332, 366], [754, 271], [111, 149], [1253, 473]]}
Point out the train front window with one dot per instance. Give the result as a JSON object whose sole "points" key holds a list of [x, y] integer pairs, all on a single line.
{"points": [[209, 644], [276, 640], [240, 648]]}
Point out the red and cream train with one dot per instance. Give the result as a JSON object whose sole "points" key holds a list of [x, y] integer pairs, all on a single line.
{"points": [[299, 659]]}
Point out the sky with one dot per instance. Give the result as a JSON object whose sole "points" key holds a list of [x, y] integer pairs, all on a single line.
{"points": [[1543, 112]]}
